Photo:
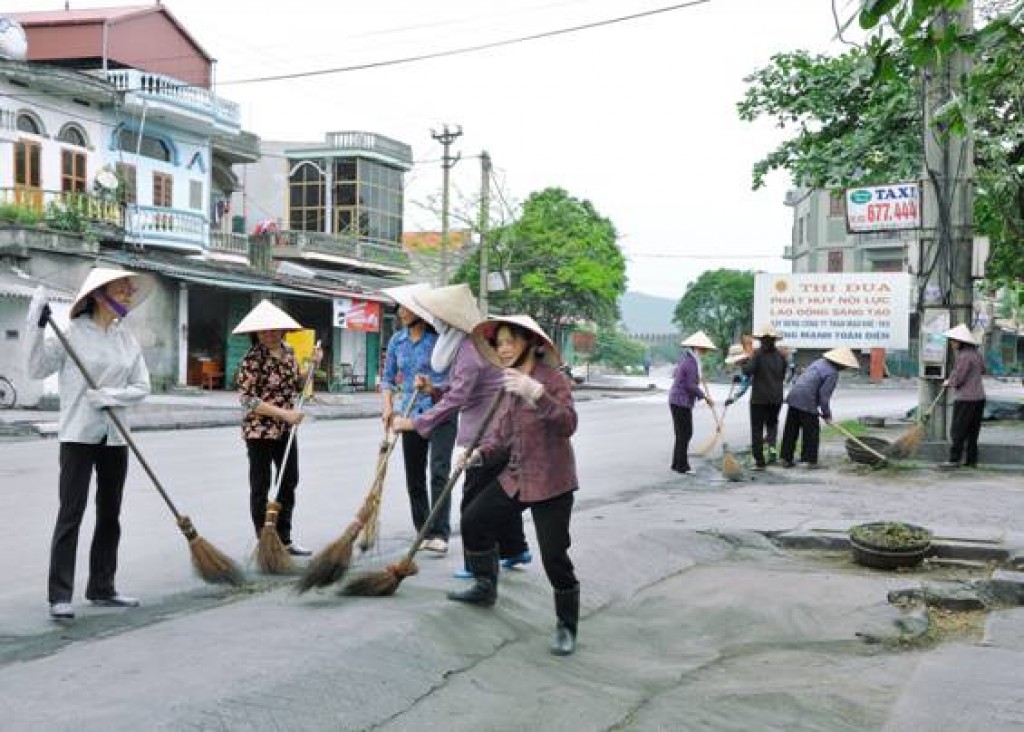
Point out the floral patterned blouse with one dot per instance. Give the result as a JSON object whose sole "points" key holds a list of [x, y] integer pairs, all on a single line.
{"points": [[263, 377]]}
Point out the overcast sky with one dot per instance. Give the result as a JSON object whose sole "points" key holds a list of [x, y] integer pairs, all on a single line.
{"points": [[639, 117]]}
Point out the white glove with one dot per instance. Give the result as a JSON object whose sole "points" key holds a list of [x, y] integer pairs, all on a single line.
{"points": [[35, 308], [516, 382], [100, 399]]}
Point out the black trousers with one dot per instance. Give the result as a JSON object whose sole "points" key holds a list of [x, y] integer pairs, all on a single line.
{"points": [[489, 512], [964, 431], [415, 451], [509, 533], [77, 462], [264, 457], [764, 427], [798, 421], [682, 424]]}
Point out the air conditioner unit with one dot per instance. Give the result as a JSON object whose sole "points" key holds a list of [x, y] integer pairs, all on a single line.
{"points": [[791, 198]]}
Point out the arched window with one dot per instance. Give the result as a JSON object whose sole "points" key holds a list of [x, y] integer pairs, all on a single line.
{"points": [[72, 134], [29, 123], [151, 147]]}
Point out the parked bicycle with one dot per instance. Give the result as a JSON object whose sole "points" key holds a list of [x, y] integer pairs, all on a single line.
{"points": [[8, 396]]}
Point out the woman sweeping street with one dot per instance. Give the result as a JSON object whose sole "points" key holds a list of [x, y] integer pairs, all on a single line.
{"points": [[406, 365], [809, 401], [269, 382], [531, 447], [89, 442], [766, 369], [968, 397], [686, 390], [472, 384]]}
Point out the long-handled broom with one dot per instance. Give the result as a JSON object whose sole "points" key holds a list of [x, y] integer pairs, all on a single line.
{"points": [[272, 555], [211, 564], [910, 441], [881, 459], [386, 582], [709, 443], [332, 562]]}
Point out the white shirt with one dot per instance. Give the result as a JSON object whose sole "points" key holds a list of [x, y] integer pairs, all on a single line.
{"points": [[114, 360]]}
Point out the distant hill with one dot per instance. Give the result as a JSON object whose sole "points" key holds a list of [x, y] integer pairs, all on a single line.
{"points": [[647, 313]]}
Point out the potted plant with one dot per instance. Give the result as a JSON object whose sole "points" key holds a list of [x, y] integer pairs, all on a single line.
{"points": [[889, 544]]}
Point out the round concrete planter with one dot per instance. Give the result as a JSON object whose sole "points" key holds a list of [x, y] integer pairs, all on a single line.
{"points": [[889, 545]]}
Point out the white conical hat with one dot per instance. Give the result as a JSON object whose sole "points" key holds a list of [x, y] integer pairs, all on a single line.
{"points": [[455, 305], [843, 357], [100, 276], [961, 333], [767, 330], [736, 354], [699, 340], [266, 316], [403, 295], [484, 332]]}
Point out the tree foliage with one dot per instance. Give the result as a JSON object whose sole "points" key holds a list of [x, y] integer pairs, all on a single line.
{"points": [[720, 302], [856, 118], [560, 262], [615, 349]]}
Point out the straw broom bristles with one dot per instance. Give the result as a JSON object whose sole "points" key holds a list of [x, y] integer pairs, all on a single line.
{"points": [[271, 554], [907, 444], [331, 563], [383, 583], [731, 467], [209, 562]]}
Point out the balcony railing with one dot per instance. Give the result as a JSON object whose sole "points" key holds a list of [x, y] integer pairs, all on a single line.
{"points": [[355, 252], [173, 91], [226, 242], [159, 225], [64, 210], [371, 142], [8, 124]]}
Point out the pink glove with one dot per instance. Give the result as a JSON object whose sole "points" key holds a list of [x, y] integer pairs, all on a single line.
{"points": [[516, 382]]}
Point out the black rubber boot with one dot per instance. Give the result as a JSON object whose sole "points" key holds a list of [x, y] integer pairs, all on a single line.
{"points": [[484, 592], [567, 608]]}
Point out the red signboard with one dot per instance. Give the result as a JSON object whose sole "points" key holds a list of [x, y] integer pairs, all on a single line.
{"points": [[353, 314]]}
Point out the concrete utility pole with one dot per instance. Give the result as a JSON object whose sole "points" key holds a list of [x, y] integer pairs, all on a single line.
{"points": [[485, 206], [944, 270], [446, 137]]}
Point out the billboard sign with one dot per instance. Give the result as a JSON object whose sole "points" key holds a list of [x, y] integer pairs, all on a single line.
{"points": [[883, 208], [817, 310], [353, 314]]}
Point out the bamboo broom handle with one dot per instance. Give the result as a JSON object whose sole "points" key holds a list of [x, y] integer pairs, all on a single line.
{"points": [[928, 415], [114, 418], [295, 428], [860, 442]]}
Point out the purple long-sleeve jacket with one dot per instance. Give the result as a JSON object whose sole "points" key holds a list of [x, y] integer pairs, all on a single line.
{"points": [[536, 440], [966, 379], [473, 382], [813, 390], [686, 382]]}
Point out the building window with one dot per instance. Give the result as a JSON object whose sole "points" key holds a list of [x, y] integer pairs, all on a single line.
{"points": [[150, 147], [127, 179], [72, 171], [73, 135], [368, 200], [28, 123], [306, 198], [26, 164], [836, 207], [195, 194], [887, 265], [163, 185], [835, 260]]}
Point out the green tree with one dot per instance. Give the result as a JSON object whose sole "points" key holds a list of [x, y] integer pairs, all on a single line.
{"points": [[560, 261], [720, 302], [617, 350]]}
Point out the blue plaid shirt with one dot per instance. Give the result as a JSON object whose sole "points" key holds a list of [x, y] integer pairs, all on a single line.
{"points": [[405, 361]]}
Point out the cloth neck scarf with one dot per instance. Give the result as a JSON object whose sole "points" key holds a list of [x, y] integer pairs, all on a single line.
{"points": [[700, 369], [448, 341]]}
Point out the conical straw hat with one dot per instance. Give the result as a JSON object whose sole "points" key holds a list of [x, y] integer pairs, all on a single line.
{"points": [[961, 333], [699, 340], [454, 305], [266, 316], [484, 332], [100, 276], [843, 357], [767, 330], [403, 295], [736, 354]]}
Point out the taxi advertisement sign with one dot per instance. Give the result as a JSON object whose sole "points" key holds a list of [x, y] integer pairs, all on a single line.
{"points": [[892, 207]]}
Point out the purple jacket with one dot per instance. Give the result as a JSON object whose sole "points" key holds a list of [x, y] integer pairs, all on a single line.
{"points": [[813, 390], [473, 382], [536, 441], [686, 382], [966, 379]]}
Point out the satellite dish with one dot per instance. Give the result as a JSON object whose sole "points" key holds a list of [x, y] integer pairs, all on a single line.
{"points": [[13, 41], [106, 179]]}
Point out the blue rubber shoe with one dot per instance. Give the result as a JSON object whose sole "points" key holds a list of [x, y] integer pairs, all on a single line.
{"points": [[462, 574], [513, 562]]}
